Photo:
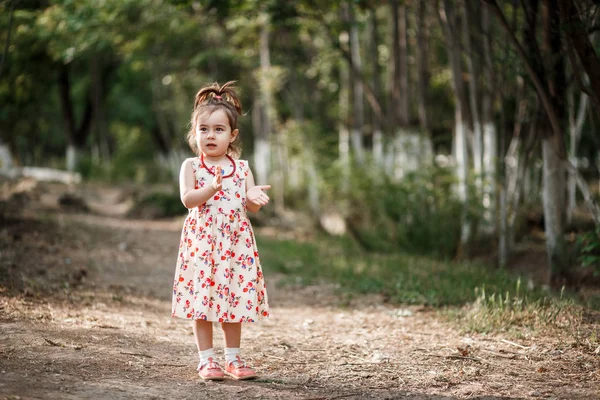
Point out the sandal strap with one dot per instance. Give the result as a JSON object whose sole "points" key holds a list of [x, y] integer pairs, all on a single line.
{"points": [[238, 362], [209, 365]]}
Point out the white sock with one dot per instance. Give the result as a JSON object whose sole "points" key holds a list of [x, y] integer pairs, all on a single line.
{"points": [[206, 356], [231, 354]]}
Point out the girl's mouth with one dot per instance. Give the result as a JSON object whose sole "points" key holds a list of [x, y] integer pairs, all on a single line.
{"points": [[211, 145]]}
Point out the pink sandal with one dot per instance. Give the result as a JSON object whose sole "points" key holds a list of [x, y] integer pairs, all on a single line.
{"points": [[239, 370], [211, 371]]}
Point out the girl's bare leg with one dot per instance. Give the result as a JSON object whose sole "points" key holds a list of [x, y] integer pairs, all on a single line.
{"points": [[233, 334], [203, 333]]}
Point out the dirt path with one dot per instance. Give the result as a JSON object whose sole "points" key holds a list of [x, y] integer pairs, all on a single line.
{"points": [[106, 333]]}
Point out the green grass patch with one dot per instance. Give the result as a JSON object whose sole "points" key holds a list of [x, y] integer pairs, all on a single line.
{"points": [[472, 296], [402, 278]]}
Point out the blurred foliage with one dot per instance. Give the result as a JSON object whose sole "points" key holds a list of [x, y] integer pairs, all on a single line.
{"points": [[589, 250], [419, 214]]}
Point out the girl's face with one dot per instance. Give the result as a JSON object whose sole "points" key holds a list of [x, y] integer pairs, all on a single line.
{"points": [[213, 134]]}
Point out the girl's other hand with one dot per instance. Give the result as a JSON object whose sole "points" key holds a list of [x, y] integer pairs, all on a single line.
{"points": [[217, 183], [256, 195]]}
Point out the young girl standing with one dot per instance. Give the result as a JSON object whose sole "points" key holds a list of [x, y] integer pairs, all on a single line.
{"points": [[218, 277]]}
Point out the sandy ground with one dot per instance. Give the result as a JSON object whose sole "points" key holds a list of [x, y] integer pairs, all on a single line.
{"points": [[94, 323]]}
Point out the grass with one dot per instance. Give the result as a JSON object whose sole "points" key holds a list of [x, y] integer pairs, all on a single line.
{"points": [[401, 277], [474, 297]]}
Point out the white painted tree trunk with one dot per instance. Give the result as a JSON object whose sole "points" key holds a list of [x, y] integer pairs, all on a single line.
{"points": [[378, 147], [490, 134], [73, 155], [262, 143], [262, 157], [490, 155], [262, 147], [474, 100], [376, 82], [462, 162], [344, 135], [575, 128], [412, 152], [448, 19], [6, 159], [358, 119]]}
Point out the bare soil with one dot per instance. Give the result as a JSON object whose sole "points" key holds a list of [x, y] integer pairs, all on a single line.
{"points": [[85, 314]]}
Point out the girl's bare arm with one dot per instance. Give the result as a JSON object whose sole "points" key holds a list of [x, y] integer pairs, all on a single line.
{"points": [[190, 196]]}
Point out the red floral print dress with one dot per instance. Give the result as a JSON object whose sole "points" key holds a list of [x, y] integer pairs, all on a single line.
{"points": [[218, 275]]}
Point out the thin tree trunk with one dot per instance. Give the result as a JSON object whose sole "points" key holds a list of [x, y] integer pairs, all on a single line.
{"points": [[344, 135], [262, 148], [98, 100], [76, 136], [6, 159], [474, 100], [404, 98], [502, 240], [376, 120], [268, 116], [575, 129], [554, 204], [447, 19], [423, 66], [394, 69], [490, 134], [358, 114]]}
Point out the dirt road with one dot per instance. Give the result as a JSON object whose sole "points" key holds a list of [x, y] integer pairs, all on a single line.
{"points": [[106, 332]]}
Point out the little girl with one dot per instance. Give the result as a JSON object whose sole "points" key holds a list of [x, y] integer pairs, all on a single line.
{"points": [[218, 276]]}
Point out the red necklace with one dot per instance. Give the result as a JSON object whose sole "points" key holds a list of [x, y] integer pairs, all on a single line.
{"points": [[212, 172]]}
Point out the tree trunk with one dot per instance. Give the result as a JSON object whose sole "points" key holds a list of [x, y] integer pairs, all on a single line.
{"points": [[490, 134], [554, 205], [474, 100], [423, 66], [402, 75], [358, 114], [376, 120], [98, 96], [344, 135], [553, 147], [262, 147], [76, 136], [6, 159], [448, 21], [575, 129], [269, 114]]}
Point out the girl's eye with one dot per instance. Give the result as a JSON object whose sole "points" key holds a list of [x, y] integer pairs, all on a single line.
{"points": [[203, 129], [220, 129]]}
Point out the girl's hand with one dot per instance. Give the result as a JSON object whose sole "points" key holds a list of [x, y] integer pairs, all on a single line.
{"points": [[256, 195], [217, 183]]}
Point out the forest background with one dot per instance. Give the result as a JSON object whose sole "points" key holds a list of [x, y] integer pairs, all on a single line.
{"points": [[454, 138]]}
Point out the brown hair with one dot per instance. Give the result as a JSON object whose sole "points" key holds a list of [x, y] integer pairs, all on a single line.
{"points": [[210, 99]]}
